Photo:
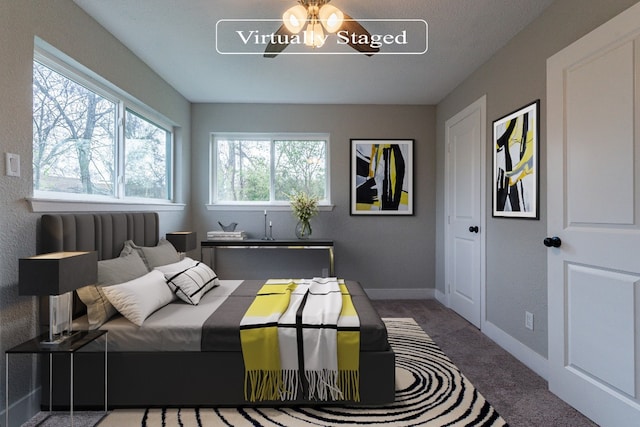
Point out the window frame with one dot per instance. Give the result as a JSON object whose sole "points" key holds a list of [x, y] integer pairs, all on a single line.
{"points": [[324, 204], [56, 201]]}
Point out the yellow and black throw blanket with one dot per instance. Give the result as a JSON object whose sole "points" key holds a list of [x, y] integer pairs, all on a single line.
{"points": [[301, 338]]}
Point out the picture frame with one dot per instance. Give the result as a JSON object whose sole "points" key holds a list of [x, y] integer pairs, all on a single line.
{"points": [[381, 177], [516, 173]]}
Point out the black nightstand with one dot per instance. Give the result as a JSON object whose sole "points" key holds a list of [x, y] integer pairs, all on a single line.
{"points": [[70, 346]]}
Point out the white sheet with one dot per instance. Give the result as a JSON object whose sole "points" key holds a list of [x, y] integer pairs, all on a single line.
{"points": [[175, 327]]}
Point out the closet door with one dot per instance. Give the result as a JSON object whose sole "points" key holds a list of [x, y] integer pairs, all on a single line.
{"points": [[465, 236]]}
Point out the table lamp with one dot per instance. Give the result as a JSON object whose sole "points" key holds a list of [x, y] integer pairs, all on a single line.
{"points": [[183, 241], [57, 275]]}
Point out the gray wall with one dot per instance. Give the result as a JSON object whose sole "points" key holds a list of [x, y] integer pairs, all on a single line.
{"points": [[381, 252], [516, 259], [65, 26]]}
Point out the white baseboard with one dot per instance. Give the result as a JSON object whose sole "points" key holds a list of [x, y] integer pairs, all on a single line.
{"points": [[401, 293], [524, 354], [23, 409]]}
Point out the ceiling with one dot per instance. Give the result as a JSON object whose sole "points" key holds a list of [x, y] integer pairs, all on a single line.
{"points": [[177, 39]]}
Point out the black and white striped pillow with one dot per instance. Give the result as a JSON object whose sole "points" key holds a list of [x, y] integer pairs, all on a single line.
{"points": [[191, 282]]}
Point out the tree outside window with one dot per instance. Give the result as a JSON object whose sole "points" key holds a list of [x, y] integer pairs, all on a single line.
{"points": [[76, 141], [73, 136], [146, 161], [268, 168]]}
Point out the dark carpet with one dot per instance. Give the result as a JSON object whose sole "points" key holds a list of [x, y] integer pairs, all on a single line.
{"points": [[519, 395]]}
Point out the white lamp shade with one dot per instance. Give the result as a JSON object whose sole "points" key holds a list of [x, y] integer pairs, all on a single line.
{"points": [[331, 17], [295, 18], [314, 36]]}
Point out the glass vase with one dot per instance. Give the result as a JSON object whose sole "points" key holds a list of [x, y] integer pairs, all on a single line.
{"points": [[303, 230]]}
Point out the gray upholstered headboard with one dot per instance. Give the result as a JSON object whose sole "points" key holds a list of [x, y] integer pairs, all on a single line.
{"points": [[104, 233], [101, 232]]}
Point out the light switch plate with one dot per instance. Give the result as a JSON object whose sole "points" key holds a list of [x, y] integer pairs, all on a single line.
{"points": [[12, 164]]}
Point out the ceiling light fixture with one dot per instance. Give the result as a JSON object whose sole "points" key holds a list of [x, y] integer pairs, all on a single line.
{"points": [[310, 20], [316, 14]]}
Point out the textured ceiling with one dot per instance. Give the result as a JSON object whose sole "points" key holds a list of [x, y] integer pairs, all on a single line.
{"points": [[177, 38]]}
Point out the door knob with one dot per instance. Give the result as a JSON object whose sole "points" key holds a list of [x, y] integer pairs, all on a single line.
{"points": [[474, 229], [552, 242]]}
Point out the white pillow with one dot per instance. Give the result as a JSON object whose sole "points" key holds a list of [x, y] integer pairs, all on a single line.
{"points": [[186, 262], [138, 298], [189, 279], [110, 272]]}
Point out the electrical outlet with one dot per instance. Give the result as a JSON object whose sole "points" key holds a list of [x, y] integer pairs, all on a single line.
{"points": [[528, 320]]}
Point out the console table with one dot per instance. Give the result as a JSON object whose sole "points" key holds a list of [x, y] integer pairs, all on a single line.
{"points": [[212, 245]]}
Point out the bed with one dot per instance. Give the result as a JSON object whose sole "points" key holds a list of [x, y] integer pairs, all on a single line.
{"points": [[165, 362]]}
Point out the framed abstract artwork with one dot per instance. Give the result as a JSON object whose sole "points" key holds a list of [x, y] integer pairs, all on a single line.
{"points": [[515, 163], [381, 177]]}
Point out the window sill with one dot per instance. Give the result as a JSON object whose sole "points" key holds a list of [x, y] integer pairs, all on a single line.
{"points": [[270, 208], [61, 205]]}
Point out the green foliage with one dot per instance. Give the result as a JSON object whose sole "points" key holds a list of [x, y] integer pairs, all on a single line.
{"points": [[243, 169], [300, 167], [304, 206]]}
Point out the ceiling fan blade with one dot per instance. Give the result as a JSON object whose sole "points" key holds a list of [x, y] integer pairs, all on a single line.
{"points": [[352, 26], [273, 49]]}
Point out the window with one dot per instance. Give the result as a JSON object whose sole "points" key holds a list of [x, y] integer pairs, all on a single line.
{"points": [[146, 165], [268, 169], [90, 142]]}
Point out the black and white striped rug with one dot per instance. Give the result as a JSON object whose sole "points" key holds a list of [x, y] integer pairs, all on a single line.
{"points": [[430, 391]]}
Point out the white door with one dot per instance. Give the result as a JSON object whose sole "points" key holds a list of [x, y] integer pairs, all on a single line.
{"points": [[464, 201], [593, 195]]}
